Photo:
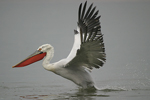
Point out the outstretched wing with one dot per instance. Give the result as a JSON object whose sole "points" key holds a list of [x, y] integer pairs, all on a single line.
{"points": [[88, 40]]}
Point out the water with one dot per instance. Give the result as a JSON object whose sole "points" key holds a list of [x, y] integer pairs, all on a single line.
{"points": [[40, 91], [25, 25]]}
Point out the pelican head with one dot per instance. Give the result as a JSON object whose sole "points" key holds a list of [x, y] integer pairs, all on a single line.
{"points": [[39, 54], [44, 48]]}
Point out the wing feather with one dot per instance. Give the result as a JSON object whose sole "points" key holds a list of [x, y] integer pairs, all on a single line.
{"points": [[91, 50]]}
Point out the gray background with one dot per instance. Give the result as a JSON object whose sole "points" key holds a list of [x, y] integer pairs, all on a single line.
{"points": [[27, 24]]}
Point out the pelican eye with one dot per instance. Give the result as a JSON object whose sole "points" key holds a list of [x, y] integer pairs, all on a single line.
{"points": [[41, 52], [40, 49]]}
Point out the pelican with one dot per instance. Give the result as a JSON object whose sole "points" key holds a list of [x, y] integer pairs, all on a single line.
{"points": [[88, 51]]}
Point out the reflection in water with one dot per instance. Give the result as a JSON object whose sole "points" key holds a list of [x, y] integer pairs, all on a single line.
{"points": [[80, 94], [88, 94], [30, 91]]}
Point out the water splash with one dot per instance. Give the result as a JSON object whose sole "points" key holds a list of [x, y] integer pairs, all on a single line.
{"points": [[112, 88]]}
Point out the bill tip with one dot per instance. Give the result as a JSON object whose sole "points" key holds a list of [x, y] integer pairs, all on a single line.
{"points": [[13, 66]]}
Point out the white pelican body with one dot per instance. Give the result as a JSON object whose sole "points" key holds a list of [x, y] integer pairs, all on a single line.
{"points": [[76, 74], [88, 51]]}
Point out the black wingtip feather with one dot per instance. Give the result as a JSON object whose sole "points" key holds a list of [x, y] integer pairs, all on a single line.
{"points": [[83, 11], [79, 14]]}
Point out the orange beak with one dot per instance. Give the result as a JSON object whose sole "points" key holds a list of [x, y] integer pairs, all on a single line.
{"points": [[36, 56]]}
